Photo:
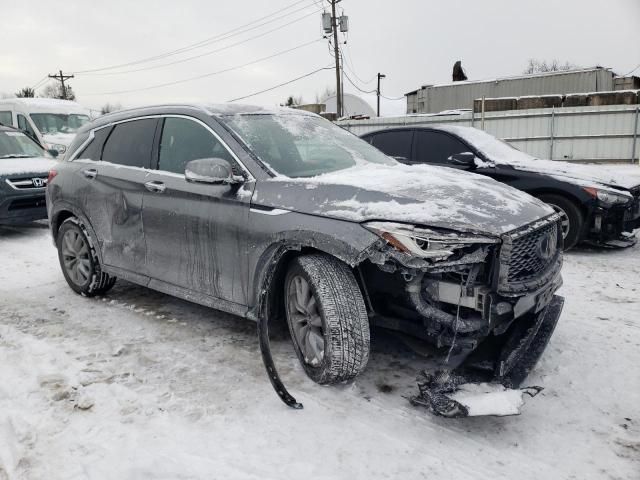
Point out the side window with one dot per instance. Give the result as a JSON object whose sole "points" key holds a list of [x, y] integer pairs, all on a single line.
{"points": [[184, 140], [24, 125], [5, 119], [395, 144], [93, 151], [436, 147], [130, 143]]}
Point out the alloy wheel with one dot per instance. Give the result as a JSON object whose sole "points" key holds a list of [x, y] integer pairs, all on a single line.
{"points": [[75, 254], [305, 320]]}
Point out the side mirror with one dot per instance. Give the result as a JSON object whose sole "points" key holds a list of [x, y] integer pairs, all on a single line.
{"points": [[465, 159], [210, 170], [53, 152]]}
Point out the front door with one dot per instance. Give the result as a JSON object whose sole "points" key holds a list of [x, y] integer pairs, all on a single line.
{"points": [[195, 232]]}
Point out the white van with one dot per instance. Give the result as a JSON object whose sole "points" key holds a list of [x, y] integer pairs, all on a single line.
{"points": [[51, 122]]}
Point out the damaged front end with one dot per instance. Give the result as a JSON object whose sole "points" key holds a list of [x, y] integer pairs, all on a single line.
{"points": [[486, 303]]}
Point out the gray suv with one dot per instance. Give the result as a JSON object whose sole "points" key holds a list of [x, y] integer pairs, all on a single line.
{"points": [[283, 215]]}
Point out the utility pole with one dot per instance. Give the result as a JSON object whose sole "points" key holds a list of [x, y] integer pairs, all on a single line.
{"points": [[330, 24], [61, 78], [336, 49], [380, 77]]}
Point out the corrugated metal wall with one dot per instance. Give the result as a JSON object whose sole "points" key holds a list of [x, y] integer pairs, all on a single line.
{"points": [[574, 134], [437, 98]]}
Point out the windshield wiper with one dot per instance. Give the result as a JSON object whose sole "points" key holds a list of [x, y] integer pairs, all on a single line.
{"points": [[16, 155]]}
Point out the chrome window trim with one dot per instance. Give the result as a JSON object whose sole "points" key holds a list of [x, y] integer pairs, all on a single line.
{"points": [[81, 148]]}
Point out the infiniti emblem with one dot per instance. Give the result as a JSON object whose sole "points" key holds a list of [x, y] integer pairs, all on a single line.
{"points": [[547, 246], [38, 182]]}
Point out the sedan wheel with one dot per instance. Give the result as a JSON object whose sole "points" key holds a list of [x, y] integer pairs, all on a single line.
{"points": [[564, 220]]}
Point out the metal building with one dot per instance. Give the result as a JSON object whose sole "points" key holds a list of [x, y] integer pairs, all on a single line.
{"points": [[460, 95]]}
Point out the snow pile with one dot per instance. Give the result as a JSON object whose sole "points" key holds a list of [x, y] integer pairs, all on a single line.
{"points": [[489, 399], [18, 166]]}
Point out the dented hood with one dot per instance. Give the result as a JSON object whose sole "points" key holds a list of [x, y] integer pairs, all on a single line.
{"points": [[422, 195]]}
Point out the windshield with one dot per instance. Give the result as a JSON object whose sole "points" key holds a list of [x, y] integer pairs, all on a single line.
{"points": [[52, 123], [303, 145], [17, 144]]}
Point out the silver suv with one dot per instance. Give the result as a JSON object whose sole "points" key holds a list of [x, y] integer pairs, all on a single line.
{"points": [[281, 214]]}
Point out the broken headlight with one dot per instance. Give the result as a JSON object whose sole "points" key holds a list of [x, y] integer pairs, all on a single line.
{"points": [[608, 198], [425, 242]]}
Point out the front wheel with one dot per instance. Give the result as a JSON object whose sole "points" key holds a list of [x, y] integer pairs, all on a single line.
{"points": [[327, 318], [571, 218], [79, 261]]}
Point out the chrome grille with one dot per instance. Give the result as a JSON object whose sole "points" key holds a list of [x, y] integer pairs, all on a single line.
{"points": [[27, 183]]}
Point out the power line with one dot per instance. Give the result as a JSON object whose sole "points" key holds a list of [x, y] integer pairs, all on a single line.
{"points": [[352, 67], [207, 74], [211, 52], [356, 86], [282, 84], [632, 71], [40, 82], [207, 41]]}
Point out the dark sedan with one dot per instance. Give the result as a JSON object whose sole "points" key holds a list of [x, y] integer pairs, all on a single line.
{"points": [[598, 208]]}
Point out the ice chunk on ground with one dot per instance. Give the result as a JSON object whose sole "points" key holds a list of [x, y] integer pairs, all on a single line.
{"points": [[489, 399]]}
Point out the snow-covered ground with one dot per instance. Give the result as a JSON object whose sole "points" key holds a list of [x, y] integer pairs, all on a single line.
{"points": [[140, 385]]}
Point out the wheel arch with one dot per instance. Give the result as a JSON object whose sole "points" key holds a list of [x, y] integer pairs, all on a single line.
{"points": [[66, 211], [269, 280], [561, 193]]}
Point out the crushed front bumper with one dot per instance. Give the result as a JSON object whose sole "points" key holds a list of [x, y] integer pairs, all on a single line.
{"points": [[522, 347], [613, 227]]}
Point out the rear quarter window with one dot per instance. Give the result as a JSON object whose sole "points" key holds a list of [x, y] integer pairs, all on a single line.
{"points": [[93, 151], [130, 143]]}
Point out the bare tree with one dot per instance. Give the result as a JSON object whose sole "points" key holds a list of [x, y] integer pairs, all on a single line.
{"points": [[54, 90], [326, 93], [26, 92], [542, 66]]}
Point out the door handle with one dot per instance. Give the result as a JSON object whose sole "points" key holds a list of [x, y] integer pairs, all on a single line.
{"points": [[90, 173], [157, 187]]}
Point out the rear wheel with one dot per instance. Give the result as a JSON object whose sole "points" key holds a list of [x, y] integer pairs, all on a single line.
{"points": [[79, 261], [327, 318], [571, 217]]}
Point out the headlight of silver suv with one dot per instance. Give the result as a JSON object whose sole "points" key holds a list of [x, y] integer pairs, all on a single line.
{"points": [[425, 242], [608, 198]]}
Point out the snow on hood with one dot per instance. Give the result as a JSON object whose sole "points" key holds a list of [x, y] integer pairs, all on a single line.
{"points": [[501, 153], [59, 138], [417, 194], [19, 166]]}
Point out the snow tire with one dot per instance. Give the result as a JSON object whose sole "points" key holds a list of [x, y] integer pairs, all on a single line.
{"points": [[341, 307]]}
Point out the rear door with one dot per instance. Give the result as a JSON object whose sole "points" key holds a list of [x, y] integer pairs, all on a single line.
{"points": [[114, 187], [195, 232]]}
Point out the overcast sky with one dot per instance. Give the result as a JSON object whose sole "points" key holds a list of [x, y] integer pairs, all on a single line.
{"points": [[414, 42]]}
